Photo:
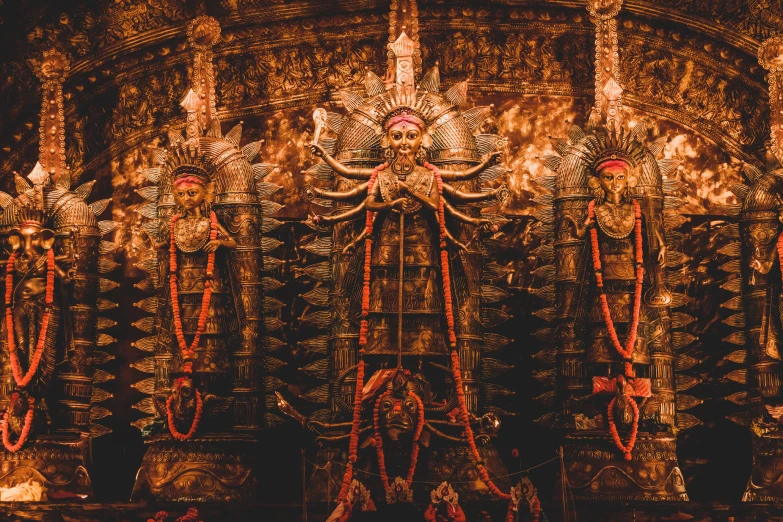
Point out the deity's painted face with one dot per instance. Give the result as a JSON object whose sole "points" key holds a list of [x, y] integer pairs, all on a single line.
{"points": [[613, 179], [405, 138], [396, 416], [189, 195]]}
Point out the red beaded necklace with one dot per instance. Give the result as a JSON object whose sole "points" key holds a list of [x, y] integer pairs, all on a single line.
{"points": [[627, 351], [189, 351]]}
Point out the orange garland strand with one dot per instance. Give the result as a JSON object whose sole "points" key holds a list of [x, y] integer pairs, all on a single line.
{"points": [[630, 342], [444, 257], [364, 326], [189, 351], [378, 440], [22, 381], [780, 253], [627, 351], [353, 445], [28, 422], [483, 473], [626, 449], [196, 418]]}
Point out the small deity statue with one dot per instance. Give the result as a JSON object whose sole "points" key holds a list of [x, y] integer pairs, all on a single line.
{"points": [[197, 323], [32, 316], [616, 309], [405, 201]]}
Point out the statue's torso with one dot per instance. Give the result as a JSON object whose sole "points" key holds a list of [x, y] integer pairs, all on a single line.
{"points": [[211, 355], [616, 241], [422, 302]]}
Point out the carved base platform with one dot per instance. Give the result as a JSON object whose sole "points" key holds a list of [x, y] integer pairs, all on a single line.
{"points": [[596, 470], [766, 477], [211, 468], [451, 463], [56, 463]]}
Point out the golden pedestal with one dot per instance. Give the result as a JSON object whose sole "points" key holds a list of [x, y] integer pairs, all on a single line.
{"points": [[203, 469], [596, 469]]}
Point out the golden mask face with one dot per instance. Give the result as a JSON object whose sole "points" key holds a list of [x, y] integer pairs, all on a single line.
{"points": [[31, 239], [189, 195], [613, 180], [404, 138]]}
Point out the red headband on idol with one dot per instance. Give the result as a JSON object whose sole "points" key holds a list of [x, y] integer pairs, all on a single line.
{"points": [[189, 179], [405, 118], [611, 163]]}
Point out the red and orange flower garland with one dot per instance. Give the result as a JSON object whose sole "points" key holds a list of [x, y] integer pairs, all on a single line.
{"points": [[626, 449], [353, 444], [780, 254], [378, 440], [444, 257], [627, 351], [22, 381], [28, 423], [189, 351], [364, 326]]}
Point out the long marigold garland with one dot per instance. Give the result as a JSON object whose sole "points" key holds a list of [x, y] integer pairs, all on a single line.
{"points": [[455, 365], [780, 254], [465, 417], [28, 423], [444, 257], [22, 381], [364, 326], [626, 449], [630, 342], [353, 444], [189, 351], [378, 441]]}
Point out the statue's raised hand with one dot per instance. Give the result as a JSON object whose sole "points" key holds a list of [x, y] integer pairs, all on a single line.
{"points": [[317, 150], [495, 158]]}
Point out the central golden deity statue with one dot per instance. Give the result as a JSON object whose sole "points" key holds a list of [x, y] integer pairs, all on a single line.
{"points": [[404, 197], [405, 331]]}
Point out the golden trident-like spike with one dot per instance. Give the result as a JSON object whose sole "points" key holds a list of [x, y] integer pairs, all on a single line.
{"points": [[608, 92], [203, 33], [52, 72], [404, 18], [771, 58]]}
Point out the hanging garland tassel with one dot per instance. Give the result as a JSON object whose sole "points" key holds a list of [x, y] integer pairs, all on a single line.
{"points": [[378, 441], [186, 351], [626, 449], [196, 418], [630, 343], [22, 381], [28, 423]]}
